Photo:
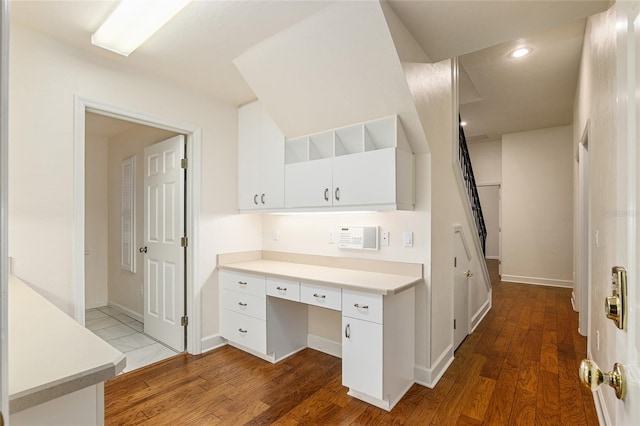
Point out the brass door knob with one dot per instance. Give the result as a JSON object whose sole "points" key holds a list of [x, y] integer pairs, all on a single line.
{"points": [[469, 274], [592, 377]]}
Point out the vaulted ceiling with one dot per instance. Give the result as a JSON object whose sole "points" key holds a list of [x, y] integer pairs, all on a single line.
{"points": [[498, 95]]}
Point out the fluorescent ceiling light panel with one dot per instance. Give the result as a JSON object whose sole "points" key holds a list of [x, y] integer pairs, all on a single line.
{"points": [[133, 22]]}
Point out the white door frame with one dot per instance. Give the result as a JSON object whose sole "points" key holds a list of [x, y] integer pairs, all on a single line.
{"points": [[194, 141], [4, 213], [583, 276]]}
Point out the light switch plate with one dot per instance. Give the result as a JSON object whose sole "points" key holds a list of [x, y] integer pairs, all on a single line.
{"points": [[408, 239]]}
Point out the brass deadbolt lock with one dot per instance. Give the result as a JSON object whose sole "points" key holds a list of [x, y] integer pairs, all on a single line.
{"points": [[615, 306]]}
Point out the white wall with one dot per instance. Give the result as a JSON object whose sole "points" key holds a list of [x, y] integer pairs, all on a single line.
{"points": [[486, 159], [432, 87], [537, 207], [45, 76], [595, 107], [125, 287], [96, 221]]}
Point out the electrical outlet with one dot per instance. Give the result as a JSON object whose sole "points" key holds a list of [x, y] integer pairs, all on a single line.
{"points": [[384, 238], [330, 237], [276, 235]]}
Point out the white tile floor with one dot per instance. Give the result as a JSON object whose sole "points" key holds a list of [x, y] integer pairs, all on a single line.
{"points": [[125, 334]]}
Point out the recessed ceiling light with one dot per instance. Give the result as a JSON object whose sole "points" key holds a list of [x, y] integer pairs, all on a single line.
{"points": [[463, 123], [132, 22], [520, 52]]}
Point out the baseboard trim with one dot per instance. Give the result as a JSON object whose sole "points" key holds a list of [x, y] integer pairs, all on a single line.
{"points": [[211, 342], [95, 305], [482, 312], [324, 345], [492, 257], [549, 282], [127, 311], [430, 377]]}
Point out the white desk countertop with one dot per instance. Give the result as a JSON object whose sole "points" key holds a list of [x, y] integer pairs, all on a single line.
{"points": [[372, 282], [50, 354]]}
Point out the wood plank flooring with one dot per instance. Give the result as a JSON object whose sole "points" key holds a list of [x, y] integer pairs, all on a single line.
{"points": [[519, 367]]}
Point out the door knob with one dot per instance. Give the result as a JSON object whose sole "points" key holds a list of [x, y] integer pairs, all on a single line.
{"points": [[143, 249], [592, 377], [469, 274]]}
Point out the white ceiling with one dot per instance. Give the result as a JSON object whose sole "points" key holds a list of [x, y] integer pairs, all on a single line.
{"points": [[197, 48]]}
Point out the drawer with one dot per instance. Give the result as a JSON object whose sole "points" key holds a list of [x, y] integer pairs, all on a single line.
{"points": [[244, 330], [283, 289], [319, 295], [361, 305], [244, 283], [248, 304]]}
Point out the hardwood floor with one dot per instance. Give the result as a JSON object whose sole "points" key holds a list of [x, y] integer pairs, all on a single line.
{"points": [[518, 367]]}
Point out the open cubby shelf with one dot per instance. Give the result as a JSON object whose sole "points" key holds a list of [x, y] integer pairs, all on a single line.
{"points": [[355, 139]]}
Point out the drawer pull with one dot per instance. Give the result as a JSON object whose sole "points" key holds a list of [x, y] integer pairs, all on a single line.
{"points": [[357, 305], [242, 282], [281, 288], [347, 331], [242, 304], [319, 296], [242, 331]]}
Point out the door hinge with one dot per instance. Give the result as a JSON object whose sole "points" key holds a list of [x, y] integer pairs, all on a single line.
{"points": [[184, 163], [184, 321], [184, 241], [454, 324]]}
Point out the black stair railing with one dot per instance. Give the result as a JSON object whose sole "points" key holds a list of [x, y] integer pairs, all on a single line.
{"points": [[472, 189]]}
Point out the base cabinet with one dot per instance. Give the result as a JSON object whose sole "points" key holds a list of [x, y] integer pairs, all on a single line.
{"points": [[268, 317], [378, 346], [362, 356]]}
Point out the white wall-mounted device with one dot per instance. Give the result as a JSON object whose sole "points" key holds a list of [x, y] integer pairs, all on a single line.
{"points": [[358, 237]]}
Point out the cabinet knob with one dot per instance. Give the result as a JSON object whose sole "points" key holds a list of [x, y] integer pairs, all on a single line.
{"points": [[262, 198], [319, 296], [243, 331], [255, 199], [326, 194], [242, 282], [242, 304], [347, 331], [281, 288], [359, 306], [337, 194]]}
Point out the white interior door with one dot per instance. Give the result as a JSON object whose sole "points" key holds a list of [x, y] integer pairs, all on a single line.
{"points": [[164, 261], [461, 264], [628, 341]]}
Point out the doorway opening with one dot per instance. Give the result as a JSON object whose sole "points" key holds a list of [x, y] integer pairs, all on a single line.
{"points": [[116, 227], [189, 313]]}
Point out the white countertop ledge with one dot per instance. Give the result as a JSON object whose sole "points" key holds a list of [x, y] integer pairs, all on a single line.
{"points": [[353, 279], [50, 354]]}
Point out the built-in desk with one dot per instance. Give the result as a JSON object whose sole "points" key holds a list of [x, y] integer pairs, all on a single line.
{"points": [[56, 366], [263, 310]]}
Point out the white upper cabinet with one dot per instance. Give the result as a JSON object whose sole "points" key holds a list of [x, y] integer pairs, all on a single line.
{"points": [[260, 160], [364, 166]]}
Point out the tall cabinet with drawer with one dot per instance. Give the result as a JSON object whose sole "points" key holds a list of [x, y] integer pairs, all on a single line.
{"points": [[267, 316]]}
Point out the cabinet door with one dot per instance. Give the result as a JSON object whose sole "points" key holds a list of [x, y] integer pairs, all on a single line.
{"points": [[362, 356], [271, 164], [365, 178], [249, 129], [308, 184]]}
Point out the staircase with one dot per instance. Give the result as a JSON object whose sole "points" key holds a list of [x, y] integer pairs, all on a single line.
{"points": [[472, 189]]}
